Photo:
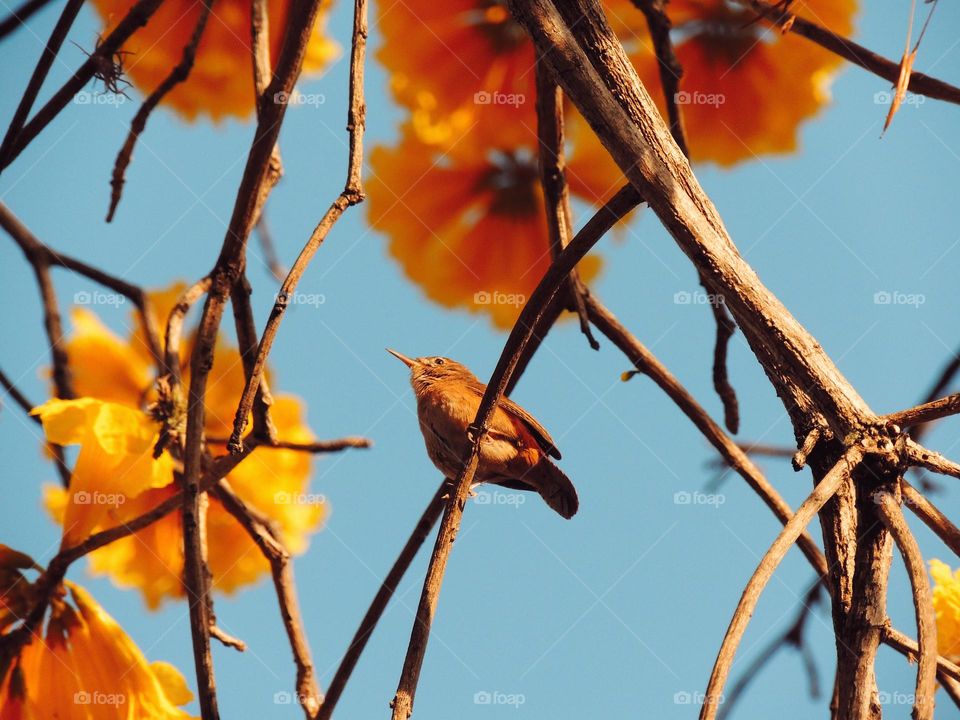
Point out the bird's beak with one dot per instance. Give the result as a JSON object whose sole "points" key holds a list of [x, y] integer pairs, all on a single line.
{"points": [[402, 358]]}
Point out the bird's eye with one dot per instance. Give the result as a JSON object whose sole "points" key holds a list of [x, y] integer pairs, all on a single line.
{"points": [[438, 361]]}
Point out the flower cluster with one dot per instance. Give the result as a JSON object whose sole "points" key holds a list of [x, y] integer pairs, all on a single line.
{"points": [[458, 194], [116, 477], [80, 664]]}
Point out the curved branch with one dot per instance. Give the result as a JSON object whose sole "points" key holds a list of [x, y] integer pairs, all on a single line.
{"points": [[379, 604], [931, 516], [824, 490], [892, 517], [528, 324]]}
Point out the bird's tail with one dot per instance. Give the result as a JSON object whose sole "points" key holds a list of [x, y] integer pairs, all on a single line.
{"points": [[554, 487]]}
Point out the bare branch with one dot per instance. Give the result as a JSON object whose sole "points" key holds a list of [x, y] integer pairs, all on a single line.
{"points": [[381, 599], [824, 490], [49, 54], [18, 17], [138, 16], [268, 540], [927, 412], [352, 194], [889, 511], [179, 74], [921, 84], [553, 180], [931, 516], [922, 457]]}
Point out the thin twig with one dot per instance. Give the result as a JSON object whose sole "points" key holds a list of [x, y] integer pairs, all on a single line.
{"points": [[931, 460], [352, 194], [553, 180], [648, 364], [49, 54], [824, 490], [931, 516], [791, 637], [855, 53], [268, 540], [387, 588], [136, 18], [18, 17], [263, 426], [927, 412], [908, 648], [178, 75], [57, 568], [889, 511], [318, 446], [269, 248], [48, 256], [940, 385], [18, 397]]}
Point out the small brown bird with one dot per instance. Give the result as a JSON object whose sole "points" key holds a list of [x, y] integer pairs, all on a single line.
{"points": [[513, 452]]}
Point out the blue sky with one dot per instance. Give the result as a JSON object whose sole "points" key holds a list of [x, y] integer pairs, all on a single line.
{"points": [[620, 611]]}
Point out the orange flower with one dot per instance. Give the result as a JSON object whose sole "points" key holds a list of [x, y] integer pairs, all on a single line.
{"points": [[746, 88], [460, 66], [86, 666], [470, 229], [118, 434], [221, 81]]}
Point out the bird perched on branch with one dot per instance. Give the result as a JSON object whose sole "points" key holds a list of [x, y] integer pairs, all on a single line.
{"points": [[514, 452]]}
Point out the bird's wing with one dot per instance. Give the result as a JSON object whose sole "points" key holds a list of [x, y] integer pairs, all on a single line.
{"points": [[517, 413]]}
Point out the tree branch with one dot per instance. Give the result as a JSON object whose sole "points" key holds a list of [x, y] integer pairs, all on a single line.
{"points": [[352, 194], [387, 588], [892, 517], [824, 490]]}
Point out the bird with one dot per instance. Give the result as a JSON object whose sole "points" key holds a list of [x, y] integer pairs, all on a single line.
{"points": [[516, 450]]}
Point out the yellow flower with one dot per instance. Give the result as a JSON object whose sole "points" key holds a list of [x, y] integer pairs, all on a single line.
{"points": [[86, 666], [470, 229], [115, 463], [946, 604], [273, 481], [221, 81]]}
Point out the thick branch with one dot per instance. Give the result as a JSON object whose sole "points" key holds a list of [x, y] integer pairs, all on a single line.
{"points": [[927, 412]]}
